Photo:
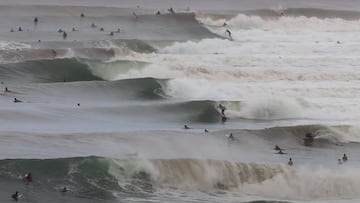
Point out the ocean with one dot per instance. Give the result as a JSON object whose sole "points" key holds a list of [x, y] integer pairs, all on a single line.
{"points": [[102, 109]]}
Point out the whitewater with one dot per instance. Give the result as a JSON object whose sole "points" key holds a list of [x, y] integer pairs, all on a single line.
{"points": [[103, 108]]}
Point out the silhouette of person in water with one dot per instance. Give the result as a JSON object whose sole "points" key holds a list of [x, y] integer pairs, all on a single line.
{"points": [[64, 189], [280, 151], [28, 178], [64, 35], [171, 10], [228, 32], [277, 147], [20, 29], [309, 139], [36, 20], [134, 14], [82, 15], [344, 158], [222, 108], [15, 196], [186, 127], [53, 52], [290, 163], [231, 137], [16, 100]]}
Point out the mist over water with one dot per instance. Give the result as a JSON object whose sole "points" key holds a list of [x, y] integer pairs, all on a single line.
{"points": [[103, 108]]}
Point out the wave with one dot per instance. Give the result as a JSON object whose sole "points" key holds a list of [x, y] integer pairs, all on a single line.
{"points": [[308, 12], [204, 111], [275, 13], [12, 52], [297, 23], [325, 136], [102, 178], [144, 88], [67, 69]]}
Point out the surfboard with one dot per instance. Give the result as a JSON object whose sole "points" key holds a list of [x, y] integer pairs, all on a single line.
{"points": [[281, 153]]}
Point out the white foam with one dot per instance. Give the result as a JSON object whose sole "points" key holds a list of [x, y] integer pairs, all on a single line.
{"points": [[309, 183], [9, 45]]}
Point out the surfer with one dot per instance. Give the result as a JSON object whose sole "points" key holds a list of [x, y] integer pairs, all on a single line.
{"points": [[277, 148], [225, 24], [60, 30], [20, 29], [101, 29], [134, 14], [309, 139], [222, 108], [111, 33], [36, 20], [171, 10], [281, 152], [290, 163], [118, 30], [186, 127], [231, 137], [6, 89], [344, 158], [15, 196], [158, 13], [16, 100], [206, 131], [339, 161], [64, 35], [228, 32], [82, 15], [53, 52], [93, 25], [64, 189], [28, 178], [12, 30]]}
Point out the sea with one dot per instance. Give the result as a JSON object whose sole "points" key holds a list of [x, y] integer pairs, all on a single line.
{"points": [[180, 101]]}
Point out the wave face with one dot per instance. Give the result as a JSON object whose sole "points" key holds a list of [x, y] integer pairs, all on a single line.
{"points": [[96, 177], [306, 12], [108, 179], [66, 70]]}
